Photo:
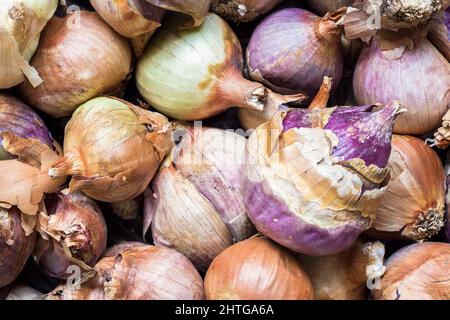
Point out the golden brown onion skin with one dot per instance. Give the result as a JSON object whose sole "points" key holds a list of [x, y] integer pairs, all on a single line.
{"points": [[417, 272], [257, 269], [15, 247], [414, 204], [79, 58]]}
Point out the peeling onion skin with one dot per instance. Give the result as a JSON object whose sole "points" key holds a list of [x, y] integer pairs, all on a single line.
{"points": [[314, 51], [139, 273], [420, 80], [414, 205], [79, 224], [78, 62], [257, 269], [417, 272], [346, 275], [19, 119], [242, 10], [15, 247], [321, 7], [302, 195], [112, 149]]}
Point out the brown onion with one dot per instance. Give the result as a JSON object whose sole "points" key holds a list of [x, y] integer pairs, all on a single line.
{"points": [[413, 206], [346, 275], [112, 149], [411, 71], [417, 272], [136, 19], [73, 232], [78, 60], [139, 273], [257, 269], [242, 10], [15, 246]]}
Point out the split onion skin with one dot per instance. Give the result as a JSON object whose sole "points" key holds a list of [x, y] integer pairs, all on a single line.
{"points": [[419, 79], [414, 205], [242, 10], [78, 62], [15, 246], [417, 272], [257, 269]]}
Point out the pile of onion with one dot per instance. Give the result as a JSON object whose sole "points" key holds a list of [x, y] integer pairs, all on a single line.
{"points": [[242, 10], [112, 149], [196, 203], [193, 74], [413, 71], [413, 206], [314, 177], [21, 23], [140, 272], [257, 269], [416, 272], [79, 58], [73, 232]]}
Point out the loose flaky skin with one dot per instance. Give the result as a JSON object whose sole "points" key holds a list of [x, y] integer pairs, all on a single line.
{"points": [[242, 10]]}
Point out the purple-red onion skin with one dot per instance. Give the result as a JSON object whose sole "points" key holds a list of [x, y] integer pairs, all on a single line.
{"points": [[419, 80], [288, 54]]}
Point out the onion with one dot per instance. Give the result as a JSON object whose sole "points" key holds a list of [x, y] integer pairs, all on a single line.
{"points": [[418, 76], [292, 50], [23, 292], [196, 206], [15, 246], [197, 73], [127, 210], [321, 7], [135, 19], [257, 269], [439, 34], [447, 201], [139, 273], [21, 23], [314, 177], [242, 10], [73, 232], [345, 276], [17, 118], [414, 203], [77, 62], [417, 272], [112, 149]]}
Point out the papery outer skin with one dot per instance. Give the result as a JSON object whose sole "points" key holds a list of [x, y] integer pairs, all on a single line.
{"points": [[416, 272], [120, 247], [20, 28], [15, 247], [76, 222], [321, 7], [286, 54], [104, 55], [213, 161], [186, 88], [196, 9], [242, 10], [16, 117], [257, 269], [119, 174], [416, 188], [419, 80], [185, 220], [23, 292], [298, 196]]}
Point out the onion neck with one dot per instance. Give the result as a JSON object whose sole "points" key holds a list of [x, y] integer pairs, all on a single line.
{"points": [[71, 164], [328, 27], [321, 99]]}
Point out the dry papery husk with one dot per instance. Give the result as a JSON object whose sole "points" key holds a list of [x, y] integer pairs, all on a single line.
{"points": [[366, 17], [417, 272], [348, 274], [242, 10], [21, 23], [441, 138], [141, 272], [414, 205], [25, 180]]}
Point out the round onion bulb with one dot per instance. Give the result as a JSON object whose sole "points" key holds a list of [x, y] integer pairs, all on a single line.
{"points": [[79, 58], [242, 10], [112, 149], [257, 269]]}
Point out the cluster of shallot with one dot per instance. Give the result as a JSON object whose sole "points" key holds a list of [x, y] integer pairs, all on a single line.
{"points": [[224, 150]]}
